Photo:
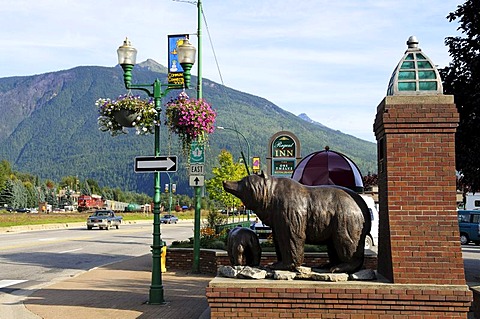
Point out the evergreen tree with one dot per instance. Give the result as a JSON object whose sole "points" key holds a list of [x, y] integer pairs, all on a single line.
{"points": [[5, 172], [7, 194], [462, 79], [42, 194], [20, 194], [85, 190]]}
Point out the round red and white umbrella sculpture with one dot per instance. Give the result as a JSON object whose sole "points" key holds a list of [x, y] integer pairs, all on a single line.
{"points": [[328, 168]]}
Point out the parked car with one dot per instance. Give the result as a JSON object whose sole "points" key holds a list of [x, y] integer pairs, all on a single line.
{"points": [[168, 219], [22, 210], [469, 226], [104, 219]]}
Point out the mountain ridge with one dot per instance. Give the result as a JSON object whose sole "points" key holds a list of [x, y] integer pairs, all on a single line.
{"points": [[52, 130]]}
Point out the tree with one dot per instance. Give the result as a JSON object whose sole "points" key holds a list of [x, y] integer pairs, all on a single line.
{"points": [[5, 172], [69, 181], [95, 189], [7, 194], [85, 190], [462, 79], [228, 170]]}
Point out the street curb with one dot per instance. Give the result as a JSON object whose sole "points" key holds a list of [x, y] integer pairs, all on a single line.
{"points": [[25, 228]]}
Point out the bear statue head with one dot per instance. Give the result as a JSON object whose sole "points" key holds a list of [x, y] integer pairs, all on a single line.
{"points": [[252, 190]]}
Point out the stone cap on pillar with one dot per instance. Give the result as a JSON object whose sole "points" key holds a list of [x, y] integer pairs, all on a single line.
{"points": [[415, 74]]}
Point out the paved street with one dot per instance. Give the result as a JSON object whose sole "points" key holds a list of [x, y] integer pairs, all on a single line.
{"points": [[36, 259]]}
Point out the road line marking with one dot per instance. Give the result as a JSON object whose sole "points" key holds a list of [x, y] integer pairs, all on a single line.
{"points": [[6, 283], [69, 251], [48, 239]]}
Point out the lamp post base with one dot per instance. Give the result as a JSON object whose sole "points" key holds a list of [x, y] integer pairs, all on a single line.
{"points": [[156, 296]]}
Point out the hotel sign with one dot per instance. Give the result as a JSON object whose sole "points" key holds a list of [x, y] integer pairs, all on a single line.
{"points": [[284, 153], [283, 146]]}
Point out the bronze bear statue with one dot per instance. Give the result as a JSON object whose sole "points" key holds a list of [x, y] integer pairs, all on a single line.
{"points": [[243, 247], [299, 214]]}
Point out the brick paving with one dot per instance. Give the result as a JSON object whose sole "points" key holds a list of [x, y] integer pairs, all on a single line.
{"points": [[121, 291]]}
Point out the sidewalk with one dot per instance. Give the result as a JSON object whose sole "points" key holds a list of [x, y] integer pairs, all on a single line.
{"points": [[121, 291]]}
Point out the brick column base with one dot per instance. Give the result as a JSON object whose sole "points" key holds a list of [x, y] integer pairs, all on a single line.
{"points": [[234, 298]]}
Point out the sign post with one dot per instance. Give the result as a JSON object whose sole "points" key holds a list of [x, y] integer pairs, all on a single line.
{"points": [[197, 180]]}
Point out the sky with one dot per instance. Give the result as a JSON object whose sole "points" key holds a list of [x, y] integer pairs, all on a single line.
{"points": [[329, 59]]}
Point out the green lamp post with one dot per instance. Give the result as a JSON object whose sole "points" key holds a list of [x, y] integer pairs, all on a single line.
{"points": [[126, 58], [247, 160]]}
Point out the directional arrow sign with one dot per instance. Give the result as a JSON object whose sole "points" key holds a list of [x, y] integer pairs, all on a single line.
{"points": [[145, 164], [197, 180]]}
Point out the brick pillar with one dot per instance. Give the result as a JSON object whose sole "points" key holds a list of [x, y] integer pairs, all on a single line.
{"points": [[418, 235]]}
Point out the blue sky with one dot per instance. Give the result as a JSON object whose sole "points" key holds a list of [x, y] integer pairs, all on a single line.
{"points": [[329, 59]]}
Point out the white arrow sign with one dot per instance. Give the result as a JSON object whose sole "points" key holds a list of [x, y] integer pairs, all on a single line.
{"points": [[197, 180], [156, 164]]}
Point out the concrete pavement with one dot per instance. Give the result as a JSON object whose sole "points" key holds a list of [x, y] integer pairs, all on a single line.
{"points": [[121, 291]]}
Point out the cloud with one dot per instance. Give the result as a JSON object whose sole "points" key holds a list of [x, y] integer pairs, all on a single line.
{"points": [[329, 59]]}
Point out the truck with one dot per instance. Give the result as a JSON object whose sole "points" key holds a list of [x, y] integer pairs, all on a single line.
{"points": [[104, 219], [472, 201], [469, 226]]}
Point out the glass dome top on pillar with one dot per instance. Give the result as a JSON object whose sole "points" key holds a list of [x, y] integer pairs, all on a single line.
{"points": [[415, 74]]}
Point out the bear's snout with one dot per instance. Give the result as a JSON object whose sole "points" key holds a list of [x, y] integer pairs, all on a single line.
{"points": [[230, 187]]}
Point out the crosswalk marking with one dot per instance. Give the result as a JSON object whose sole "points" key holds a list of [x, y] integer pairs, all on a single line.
{"points": [[7, 283]]}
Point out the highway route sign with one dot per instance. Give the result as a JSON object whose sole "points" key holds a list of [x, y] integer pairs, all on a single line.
{"points": [[146, 164], [197, 153]]}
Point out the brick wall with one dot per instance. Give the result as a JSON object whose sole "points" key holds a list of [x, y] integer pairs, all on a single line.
{"points": [[210, 260], [417, 190], [254, 299]]}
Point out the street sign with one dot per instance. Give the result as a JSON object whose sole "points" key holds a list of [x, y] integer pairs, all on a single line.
{"points": [[197, 180], [197, 169], [197, 153], [146, 164]]}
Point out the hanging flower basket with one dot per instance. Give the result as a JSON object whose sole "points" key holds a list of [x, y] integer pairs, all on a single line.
{"points": [[126, 111], [191, 119], [125, 117]]}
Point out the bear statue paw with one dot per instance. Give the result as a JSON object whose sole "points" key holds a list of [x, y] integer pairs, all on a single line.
{"points": [[279, 265]]}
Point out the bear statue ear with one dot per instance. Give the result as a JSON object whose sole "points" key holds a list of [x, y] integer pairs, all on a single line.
{"points": [[263, 174]]}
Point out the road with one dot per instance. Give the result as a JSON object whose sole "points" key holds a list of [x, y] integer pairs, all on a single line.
{"points": [[471, 261], [35, 259]]}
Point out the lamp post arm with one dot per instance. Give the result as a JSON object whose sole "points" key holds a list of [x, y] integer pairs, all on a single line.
{"points": [[159, 89], [140, 87]]}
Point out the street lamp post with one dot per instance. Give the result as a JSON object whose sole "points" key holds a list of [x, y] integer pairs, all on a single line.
{"points": [[171, 189], [126, 58], [247, 161]]}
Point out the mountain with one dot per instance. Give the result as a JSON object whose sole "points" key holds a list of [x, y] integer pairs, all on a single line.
{"points": [[305, 117], [50, 129]]}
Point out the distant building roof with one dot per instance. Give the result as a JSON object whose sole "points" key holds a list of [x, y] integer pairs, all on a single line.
{"points": [[415, 74]]}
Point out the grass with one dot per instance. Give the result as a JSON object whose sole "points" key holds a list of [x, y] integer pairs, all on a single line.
{"points": [[8, 219]]}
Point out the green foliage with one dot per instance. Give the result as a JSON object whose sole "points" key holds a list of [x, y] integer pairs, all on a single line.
{"points": [[208, 239], [214, 218], [462, 79], [228, 170]]}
